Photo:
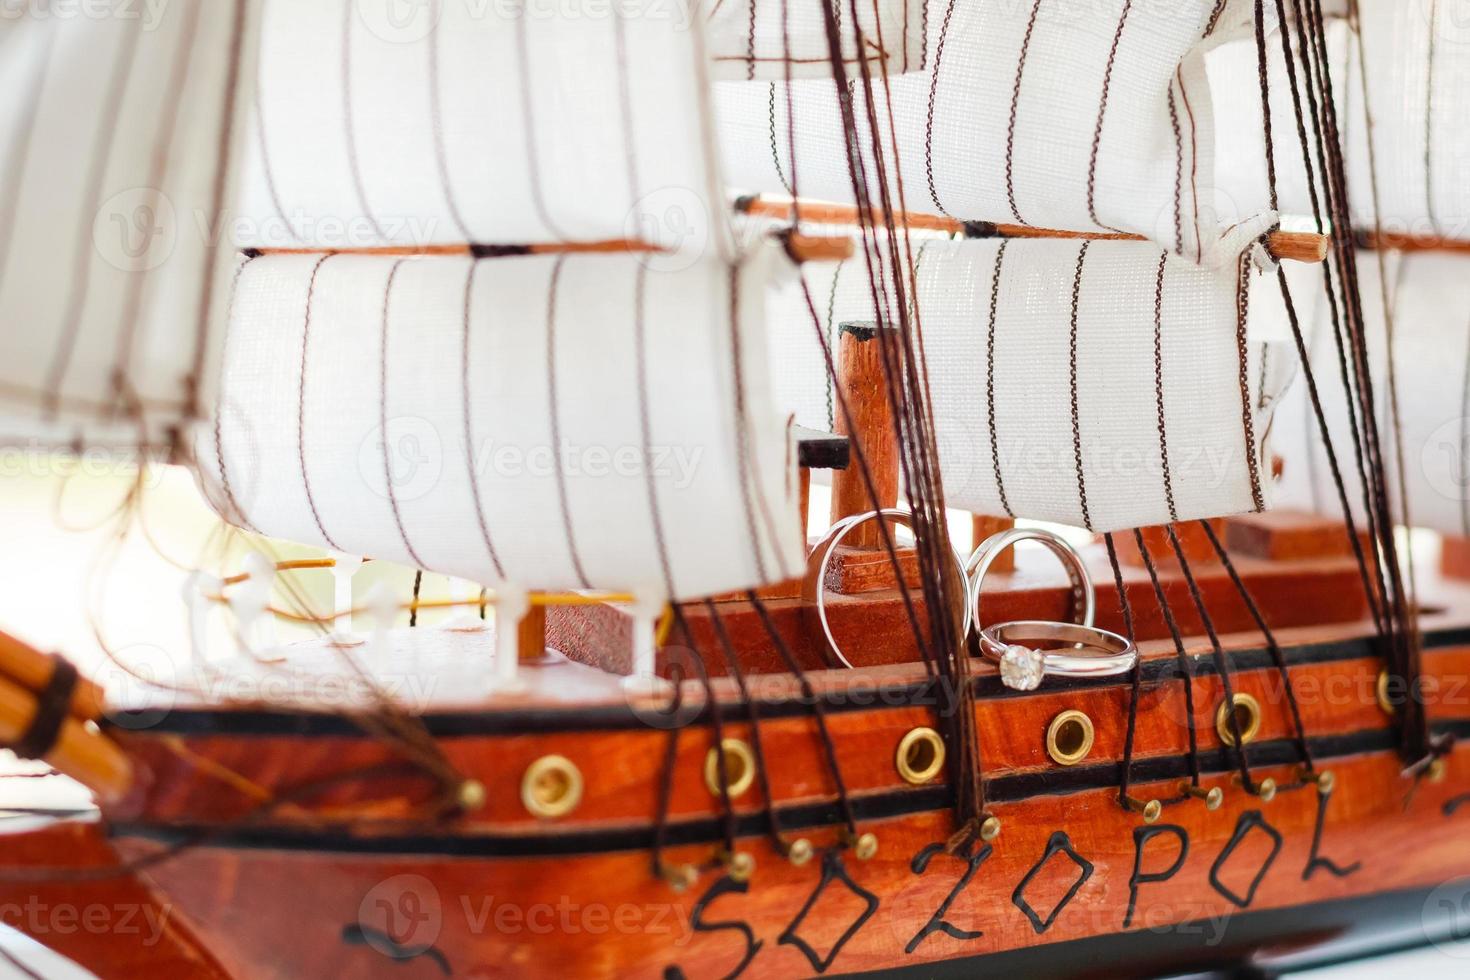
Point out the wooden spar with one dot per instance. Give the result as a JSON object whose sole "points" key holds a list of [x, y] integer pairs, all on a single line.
{"points": [[802, 248], [86, 756], [1296, 246], [1412, 243], [32, 669], [862, 380]]}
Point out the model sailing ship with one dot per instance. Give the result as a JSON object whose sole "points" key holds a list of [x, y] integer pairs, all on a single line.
{"points": [[548, 302]]}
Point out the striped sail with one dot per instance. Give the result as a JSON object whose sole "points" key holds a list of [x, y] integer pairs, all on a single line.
{"points": [[1429, 305], [118, 155], [1413, 86], [557, 421], [769, 39], [509, 127], [1101, 384], [1090, 117]]}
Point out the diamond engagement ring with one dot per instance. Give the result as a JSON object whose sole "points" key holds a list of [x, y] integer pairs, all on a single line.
{"points": [[1028, 650]]}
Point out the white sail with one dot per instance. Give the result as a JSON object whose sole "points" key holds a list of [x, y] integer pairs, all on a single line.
{"points": [[1100, 384], [1429, 296], [510, 124], [118, 143], [1417, 74], [769, 39], [557, 421], [1093, 117]]}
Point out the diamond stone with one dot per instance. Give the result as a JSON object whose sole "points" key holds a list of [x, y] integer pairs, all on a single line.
{"points": [[1021, 668]]}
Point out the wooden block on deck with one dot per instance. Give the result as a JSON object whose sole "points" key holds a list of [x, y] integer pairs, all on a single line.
{"points": [[1192, 541], [1285, 535], [1454, 558]]}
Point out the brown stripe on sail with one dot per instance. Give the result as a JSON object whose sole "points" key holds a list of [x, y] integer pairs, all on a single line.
{"points": [[1102, 112], [224, 166], [645, 429], [20, 146], [1076, 412], [554, 418], [349, 130], [383, 414], [1159, 387], [625, 109], [471, 462], [436, 120], [1248, 422], [528, 117], [103, 141], [267, 170], [1000, 485], [157, 178], [933, 98], [1464, 434], [1429, 211], [301, 404], [742, 446], [219, 412], [1193, 165], [1178, 174], [1215, 17], [1015, 106]]}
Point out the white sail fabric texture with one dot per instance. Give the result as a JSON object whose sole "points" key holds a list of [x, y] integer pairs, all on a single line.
{"points": [[555, 421], [1093, 117], [756, 39], [1097, 384], [117, 156], [1418, 71], [1429, 295], [512, 126]]}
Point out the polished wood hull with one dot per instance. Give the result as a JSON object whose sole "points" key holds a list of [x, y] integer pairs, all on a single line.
{"points": [[354, 881]]}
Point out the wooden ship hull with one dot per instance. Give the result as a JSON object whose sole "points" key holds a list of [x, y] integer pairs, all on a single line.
{"points": [[355, 870]]}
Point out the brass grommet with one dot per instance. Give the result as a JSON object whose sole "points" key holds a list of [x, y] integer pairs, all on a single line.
{"points": [[1322, 779], [1436, 771], [739, 866], [1069, 737], [1212, 797], [920, 756], [1247, 712], [551, 787], [1266, 790], [1381, 690], [471, 795], [1150, 810], [739, 765], [800, 851], [990, 829], [865, 846]]}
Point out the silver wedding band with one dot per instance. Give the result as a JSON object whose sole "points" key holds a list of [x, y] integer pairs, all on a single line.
{"points": [[1084, 599], [814, 588], [1088, 652]]}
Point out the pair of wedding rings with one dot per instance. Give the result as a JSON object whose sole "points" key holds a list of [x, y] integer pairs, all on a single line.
{"points": [[1025, 650]]}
